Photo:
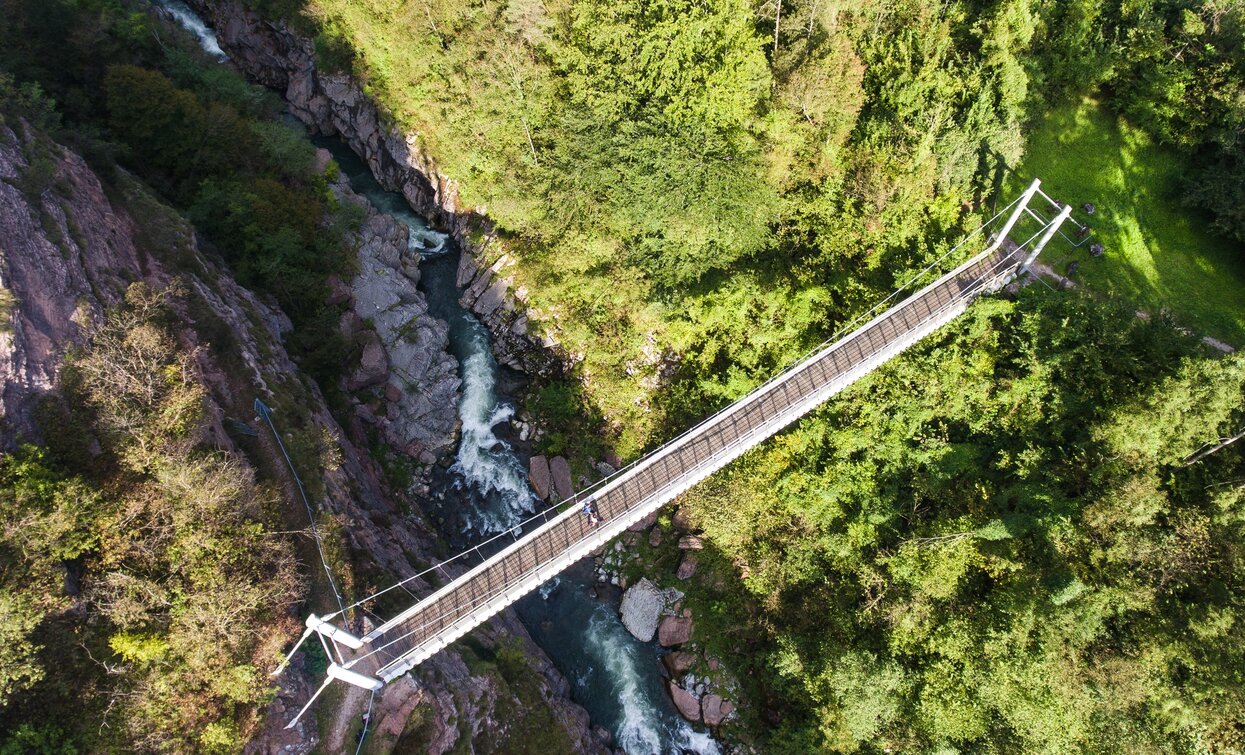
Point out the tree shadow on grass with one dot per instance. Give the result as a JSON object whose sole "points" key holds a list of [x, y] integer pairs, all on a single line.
{"points": [[1159, 254]]}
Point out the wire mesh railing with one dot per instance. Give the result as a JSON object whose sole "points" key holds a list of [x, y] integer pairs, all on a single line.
{"points": [[772, 412], [498, 542]]}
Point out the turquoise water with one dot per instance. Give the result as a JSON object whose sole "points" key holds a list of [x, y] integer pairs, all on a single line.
{"points": [[618, 679]]}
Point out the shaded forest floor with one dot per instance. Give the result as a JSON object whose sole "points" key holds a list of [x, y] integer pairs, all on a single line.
{"points": [[1159, 253]]}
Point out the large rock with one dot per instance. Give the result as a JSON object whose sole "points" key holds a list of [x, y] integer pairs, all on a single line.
{"points": [[641, 609], [686, 702], [691, 543], [687, 567], [679, 662], [644, 523], [560, 470], [682, 521], [423, 389], [538, 476], [373, 366], [674, 630], [711, 709]]}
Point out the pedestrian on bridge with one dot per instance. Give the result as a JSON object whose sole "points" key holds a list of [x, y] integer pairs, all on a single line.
{"points": [[590, 511]]}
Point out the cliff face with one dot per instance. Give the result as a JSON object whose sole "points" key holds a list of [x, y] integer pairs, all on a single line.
{"points": [[69, 248], [333, 103], [404, 364], [65, 256]]}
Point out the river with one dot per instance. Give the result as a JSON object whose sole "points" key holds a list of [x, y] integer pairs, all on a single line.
{"points": [[617, 678]]}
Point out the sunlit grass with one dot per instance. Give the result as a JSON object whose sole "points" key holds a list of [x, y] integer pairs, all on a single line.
{"points": [[1159, 253]]}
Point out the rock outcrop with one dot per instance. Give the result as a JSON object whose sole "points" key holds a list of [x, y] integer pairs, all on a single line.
{"points": [[69, 254], [405, 350], [560, 470], [334, 103], [641, 608], [539, 476], [679, 662], [687, 703], [674, 630], [714, 709], [687, 566], [65, 255]]}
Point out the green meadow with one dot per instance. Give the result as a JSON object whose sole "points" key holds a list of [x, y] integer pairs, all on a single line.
{"points": [[1160, 254]]}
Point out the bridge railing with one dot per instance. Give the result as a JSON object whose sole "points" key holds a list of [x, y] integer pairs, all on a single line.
{"points": [[499, 541], [551, 515]]}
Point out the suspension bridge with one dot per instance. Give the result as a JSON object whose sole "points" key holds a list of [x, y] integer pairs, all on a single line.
{"points": [[515, 562]]}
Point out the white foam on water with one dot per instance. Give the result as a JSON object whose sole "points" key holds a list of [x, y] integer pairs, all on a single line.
{"points": [[641, 729], [687, 739], [547, 588], [190, 21], [484, 461], [424, 240]]}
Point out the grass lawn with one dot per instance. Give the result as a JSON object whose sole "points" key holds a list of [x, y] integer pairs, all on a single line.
{"points": [[1159, 254]]}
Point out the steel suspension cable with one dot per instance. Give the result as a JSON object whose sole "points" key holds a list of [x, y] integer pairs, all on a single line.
{"points": [[266, 413], [574, 498], [976, 286]]}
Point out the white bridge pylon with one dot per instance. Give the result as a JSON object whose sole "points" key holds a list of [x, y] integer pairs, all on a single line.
{"points": [[515, 562]]}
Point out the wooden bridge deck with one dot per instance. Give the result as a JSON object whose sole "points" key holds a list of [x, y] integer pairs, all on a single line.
{"points": [[633, 493]]}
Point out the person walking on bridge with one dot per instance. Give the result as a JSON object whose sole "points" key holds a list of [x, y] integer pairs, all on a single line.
{"points": [[590, 511]]}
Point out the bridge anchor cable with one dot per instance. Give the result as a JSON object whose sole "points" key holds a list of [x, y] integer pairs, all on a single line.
{"points": [[464, 616]]}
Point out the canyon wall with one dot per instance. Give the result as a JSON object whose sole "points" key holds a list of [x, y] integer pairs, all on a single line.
{"points": [[70, 245], [272, 54]]}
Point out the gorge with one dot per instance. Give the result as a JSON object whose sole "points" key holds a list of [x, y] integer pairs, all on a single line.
{"points": [[476, 256]]}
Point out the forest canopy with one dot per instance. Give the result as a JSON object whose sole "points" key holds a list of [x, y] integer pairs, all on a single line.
{"points": [[1024, 537], [1011, 540], [996, 544], [719, 184]]}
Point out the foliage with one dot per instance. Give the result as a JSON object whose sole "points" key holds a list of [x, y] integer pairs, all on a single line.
{"points": [[203, 137], [183, 587], [716, 185], [680, 190], [19, 669], [992, 544], [1176, 68], [1158, 254]]}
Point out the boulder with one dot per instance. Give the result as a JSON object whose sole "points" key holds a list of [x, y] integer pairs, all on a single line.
{"points": [[612, 459], [538, 476], [654, 537], [602, 735], [604, 469], [682, 522], [339, 292], [711, 706], [641, 609], [674, 630], [560, 470], [678, 662], [644, 523], [373, 366], [686, 702], [687, 567], [691, 543], [393, 392]]}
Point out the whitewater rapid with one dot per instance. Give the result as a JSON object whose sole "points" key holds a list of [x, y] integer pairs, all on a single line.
{"points": [[485, 462], [190, 21]]}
